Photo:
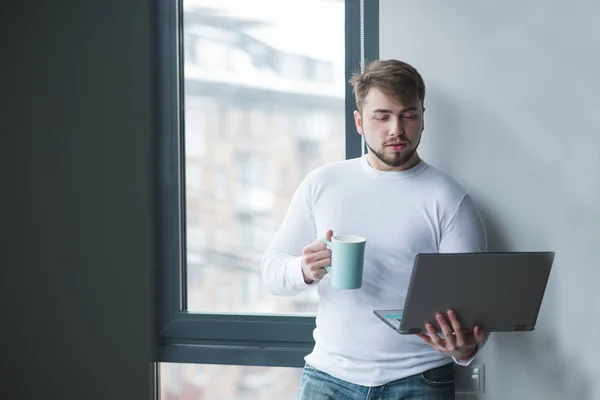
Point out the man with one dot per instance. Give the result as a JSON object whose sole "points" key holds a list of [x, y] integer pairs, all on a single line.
{"points": [[403, 206]]}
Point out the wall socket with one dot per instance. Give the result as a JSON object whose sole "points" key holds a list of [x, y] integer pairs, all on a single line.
{"points": [[469, 379]]}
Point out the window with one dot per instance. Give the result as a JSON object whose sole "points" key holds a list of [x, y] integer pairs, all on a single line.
{"points": [[197, 124], [253, 99], [252, 170], [259, 122], [235, 382], [247, 100], [193, 177], [220, 187]]}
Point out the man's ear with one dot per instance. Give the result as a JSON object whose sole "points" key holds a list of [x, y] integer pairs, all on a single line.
{"points": [[358, 122]]}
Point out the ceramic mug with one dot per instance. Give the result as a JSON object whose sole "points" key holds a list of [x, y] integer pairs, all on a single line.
{"points": [[347, 260]]}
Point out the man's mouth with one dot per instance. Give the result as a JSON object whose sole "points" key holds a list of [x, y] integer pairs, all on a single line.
{"points": [[397, 146]]}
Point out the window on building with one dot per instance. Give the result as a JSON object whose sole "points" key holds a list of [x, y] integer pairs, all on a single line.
{"points": [[220, 183], [256, 104]]}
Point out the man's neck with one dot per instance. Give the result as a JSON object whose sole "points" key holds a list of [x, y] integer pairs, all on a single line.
{"points": [[376, 163]]}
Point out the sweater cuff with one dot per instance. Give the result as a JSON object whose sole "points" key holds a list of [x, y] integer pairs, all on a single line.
{"points": [[465, 362], [294, 274]]}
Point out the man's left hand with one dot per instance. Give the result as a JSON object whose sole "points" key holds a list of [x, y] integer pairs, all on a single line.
{"points": [[455, 343]]}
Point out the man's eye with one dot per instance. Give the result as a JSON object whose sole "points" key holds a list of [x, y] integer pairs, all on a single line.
{"points": [[410, 116], [384, 118]]}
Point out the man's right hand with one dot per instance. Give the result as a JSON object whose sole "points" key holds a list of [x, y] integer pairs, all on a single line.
{"points": [[315, 257]]}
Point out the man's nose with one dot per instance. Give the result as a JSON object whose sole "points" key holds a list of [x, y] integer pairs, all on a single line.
{"points": [[397, 128]]}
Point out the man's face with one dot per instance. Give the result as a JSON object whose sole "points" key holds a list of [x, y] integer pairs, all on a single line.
{"points": [[392, 131]]}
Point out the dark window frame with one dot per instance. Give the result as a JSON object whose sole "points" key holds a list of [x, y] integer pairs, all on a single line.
{"points": [[186, 337]]}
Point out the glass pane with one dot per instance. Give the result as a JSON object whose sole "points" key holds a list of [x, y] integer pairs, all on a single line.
{"points": [[264, 105], [227, 382]]}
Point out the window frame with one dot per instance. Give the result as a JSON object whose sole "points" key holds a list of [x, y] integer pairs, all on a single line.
{"points": [[188, 337]]}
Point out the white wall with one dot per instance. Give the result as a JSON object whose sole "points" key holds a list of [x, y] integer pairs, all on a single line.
{"points": [[513, 113]]}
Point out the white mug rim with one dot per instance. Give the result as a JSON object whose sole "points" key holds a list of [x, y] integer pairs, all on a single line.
{"points": [[348, 239]]}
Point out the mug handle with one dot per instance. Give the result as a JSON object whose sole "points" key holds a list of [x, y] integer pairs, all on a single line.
{"points": [[328, 243]]}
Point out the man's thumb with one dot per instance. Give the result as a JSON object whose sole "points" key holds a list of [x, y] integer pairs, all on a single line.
{"points": [[329, 234]]}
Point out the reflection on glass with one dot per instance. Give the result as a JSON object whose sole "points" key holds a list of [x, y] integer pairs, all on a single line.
{"points": [[227, 382], [264, 105]]}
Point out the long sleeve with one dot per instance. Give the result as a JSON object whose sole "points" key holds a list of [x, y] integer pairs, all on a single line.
{"points": [[465, 233], [281, 264]]}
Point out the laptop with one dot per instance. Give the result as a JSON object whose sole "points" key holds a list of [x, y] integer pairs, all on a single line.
{"points": [[500, 292]]}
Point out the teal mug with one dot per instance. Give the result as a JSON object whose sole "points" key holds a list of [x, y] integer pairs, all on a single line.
{"points": [[347, 260]]}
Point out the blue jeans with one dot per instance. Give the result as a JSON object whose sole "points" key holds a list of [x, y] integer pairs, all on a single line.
{"points": [[435, 384]]}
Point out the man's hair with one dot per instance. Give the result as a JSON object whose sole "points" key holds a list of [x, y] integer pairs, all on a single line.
{"points": [[394, 78]]}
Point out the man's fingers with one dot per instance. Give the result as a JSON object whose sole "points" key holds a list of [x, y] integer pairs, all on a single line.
{"points": [[426, 339], [447, 331], [433, 336], [458, 332], [318, 275], [321, 255], [318, 265], [315, 271], [479, 334], [315, 247], [313, 258]]}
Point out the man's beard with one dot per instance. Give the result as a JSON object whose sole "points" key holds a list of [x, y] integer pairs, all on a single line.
{"points": [[397, 158]]}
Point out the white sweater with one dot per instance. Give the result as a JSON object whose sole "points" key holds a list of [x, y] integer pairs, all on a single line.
{"points": [[420, 210]]}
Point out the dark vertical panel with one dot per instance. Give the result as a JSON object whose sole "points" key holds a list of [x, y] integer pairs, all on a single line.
{"points": [[78, 262]]}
